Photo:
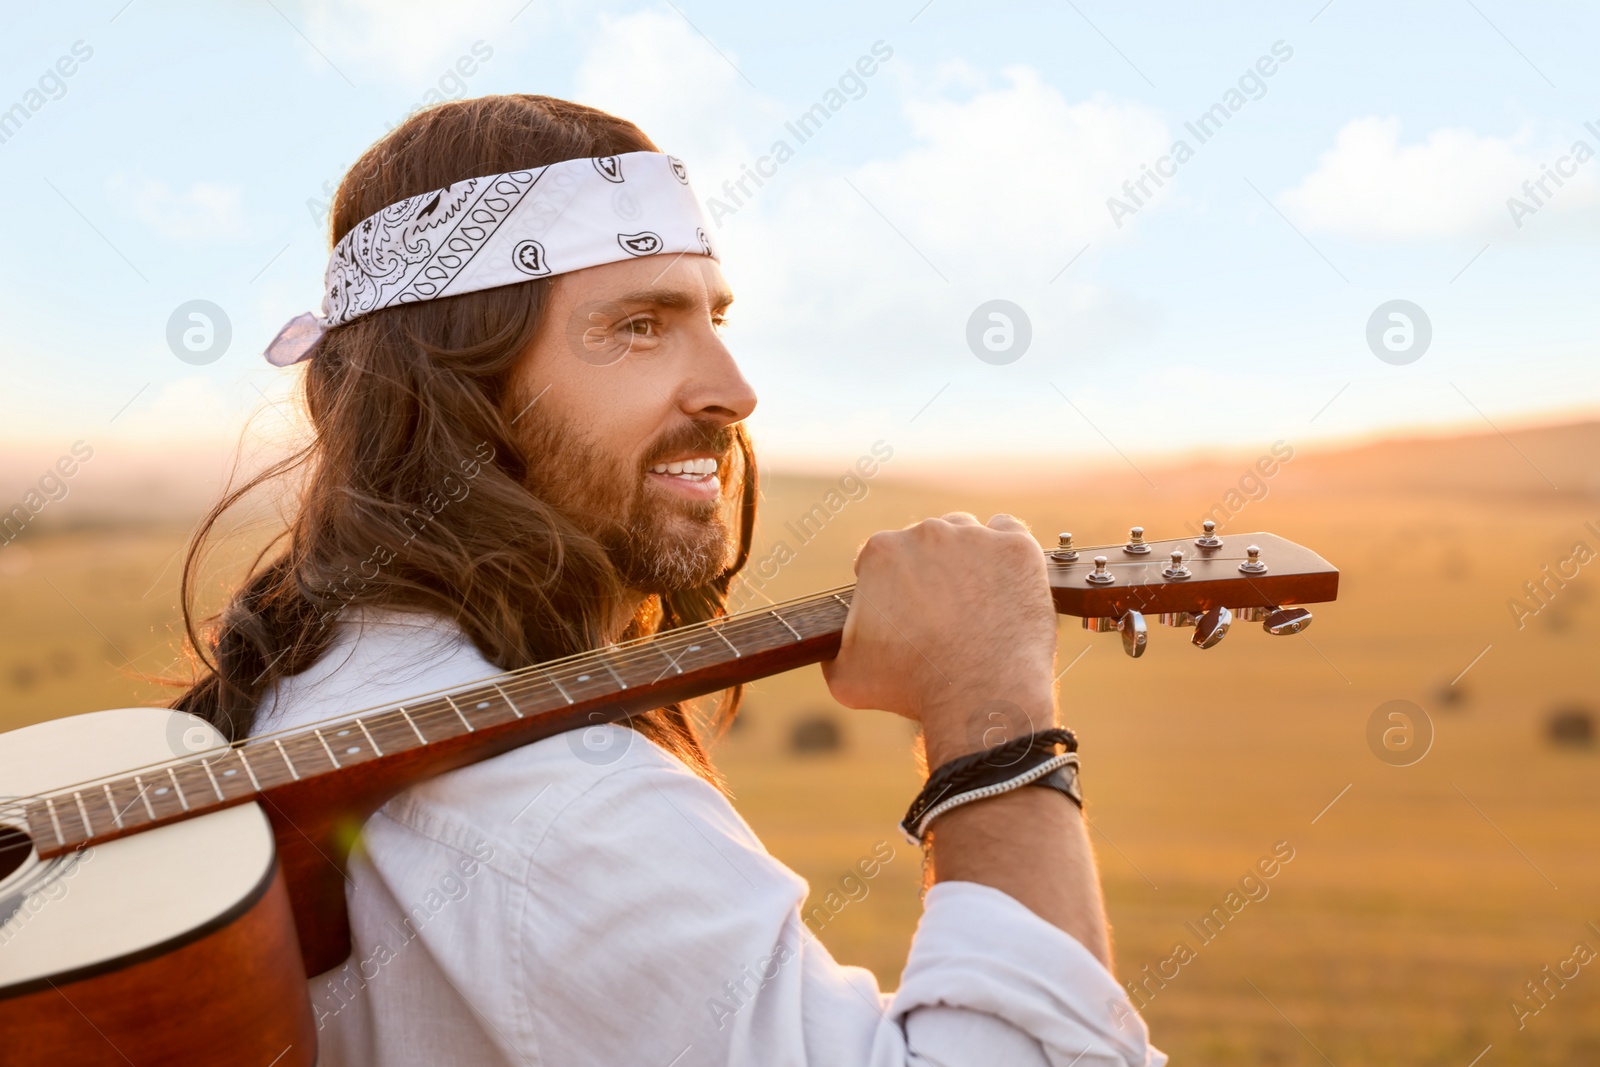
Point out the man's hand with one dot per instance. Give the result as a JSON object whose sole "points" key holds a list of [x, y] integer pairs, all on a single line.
{"points": [[951, 625]]}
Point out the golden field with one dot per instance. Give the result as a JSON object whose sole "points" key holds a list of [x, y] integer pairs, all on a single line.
{"points": [[1414, 908]]}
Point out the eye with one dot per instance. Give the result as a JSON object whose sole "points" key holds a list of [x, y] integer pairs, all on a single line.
{"points": [[640, 327], [720, 322]]}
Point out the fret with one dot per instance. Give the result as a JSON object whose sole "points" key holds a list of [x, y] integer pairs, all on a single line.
{"points": [[718, 631], [38, 823], [671, 663], [606, 663], [248, 769], [695, 650], [55, 820], [157, 797], [84, 811], [589, 684], [484, 705], [144, 795], [786, 625], [195, 783], [326, 749], [375, 749], [286, 761], [124, 794], [309, 754], [436, 720], [407, 715], [181, 798], [224, 776], [391, 731], [216, 787], [820, 616], [761, 631], [70, 821], [512, 704], [459, 713], [116, 816]]}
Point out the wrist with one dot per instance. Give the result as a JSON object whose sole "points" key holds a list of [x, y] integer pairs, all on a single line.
{"points": [[957, 726]]}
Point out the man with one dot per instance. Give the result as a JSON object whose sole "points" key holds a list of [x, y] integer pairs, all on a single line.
{"points": [[528, 443]]}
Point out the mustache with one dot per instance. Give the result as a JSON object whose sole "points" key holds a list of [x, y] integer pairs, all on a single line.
{"points": [[698, 435]]}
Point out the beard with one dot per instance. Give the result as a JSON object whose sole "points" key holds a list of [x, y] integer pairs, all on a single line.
{"points": [[658, 542]]}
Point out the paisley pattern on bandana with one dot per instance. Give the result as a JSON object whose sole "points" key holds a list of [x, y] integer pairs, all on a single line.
{"points": [[504, 229]]}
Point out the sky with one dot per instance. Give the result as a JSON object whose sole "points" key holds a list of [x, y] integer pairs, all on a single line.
{"points": [[1313, 163]]}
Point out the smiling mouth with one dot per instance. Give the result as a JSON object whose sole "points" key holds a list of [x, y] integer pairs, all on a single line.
{"points": [[693, 470]]}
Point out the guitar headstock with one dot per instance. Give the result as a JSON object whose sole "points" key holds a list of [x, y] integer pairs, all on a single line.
{"points": [[1207, 582]]}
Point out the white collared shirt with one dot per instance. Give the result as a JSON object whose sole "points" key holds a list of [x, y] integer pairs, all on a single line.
{"points": [[587, 899]]}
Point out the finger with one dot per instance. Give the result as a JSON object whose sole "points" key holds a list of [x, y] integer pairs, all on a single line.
{"points": [[960, 518], [1008, 523]]}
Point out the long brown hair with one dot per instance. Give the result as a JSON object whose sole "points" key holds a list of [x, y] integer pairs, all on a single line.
{"points": [[412, 491]]}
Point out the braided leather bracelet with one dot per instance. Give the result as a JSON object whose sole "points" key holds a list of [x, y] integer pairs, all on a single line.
{"points": [[979, 775]]}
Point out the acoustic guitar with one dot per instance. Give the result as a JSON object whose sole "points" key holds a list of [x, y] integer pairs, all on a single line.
{"points": [[164, 894]]}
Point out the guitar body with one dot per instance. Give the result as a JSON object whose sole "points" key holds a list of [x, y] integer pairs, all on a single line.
{"points": [[172, 946]]}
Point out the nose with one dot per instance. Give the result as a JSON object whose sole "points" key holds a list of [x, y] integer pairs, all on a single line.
{"points": [[715, 390]]}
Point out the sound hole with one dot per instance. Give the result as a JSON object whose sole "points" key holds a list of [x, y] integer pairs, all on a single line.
{"points": [[15, 847]]}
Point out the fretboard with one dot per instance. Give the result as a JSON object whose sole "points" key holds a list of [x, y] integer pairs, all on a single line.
{"points": [[385, 749]]}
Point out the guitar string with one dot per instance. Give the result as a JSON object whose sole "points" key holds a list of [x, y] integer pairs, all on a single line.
{"points": [[523, 681]]}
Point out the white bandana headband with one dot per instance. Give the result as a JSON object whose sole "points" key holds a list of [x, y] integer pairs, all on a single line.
{"points": [[502, 230]]}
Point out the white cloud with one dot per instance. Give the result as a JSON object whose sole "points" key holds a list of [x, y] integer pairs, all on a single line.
{"points": [[653, 69], [997, 179], [1370, 186], [205, 210], [403, 40]]}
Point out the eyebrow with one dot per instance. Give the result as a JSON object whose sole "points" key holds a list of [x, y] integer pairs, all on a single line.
{"points": [[674, 299]]}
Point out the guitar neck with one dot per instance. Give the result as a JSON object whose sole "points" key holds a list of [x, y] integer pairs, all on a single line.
{"points": [[357, 763], [350, 766]]}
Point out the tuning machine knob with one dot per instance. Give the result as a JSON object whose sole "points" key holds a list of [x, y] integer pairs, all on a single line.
{"points": [[1281, 622], [1131, 625], [1212, 627], [1064, 552], [1135, 634]]}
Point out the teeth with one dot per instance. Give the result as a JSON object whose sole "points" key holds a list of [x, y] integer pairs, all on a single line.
{"points": [[696, 467]]}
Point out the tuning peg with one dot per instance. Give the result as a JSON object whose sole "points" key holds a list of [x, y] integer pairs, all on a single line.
{"points": [[1212, 627], [1134, 633], [1253, 565], [1064, 550], [1283, 621], [1100, 576], [1177, 618], [1177, 572], [1209, 538], [1136, 545], [1255, 614]]}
